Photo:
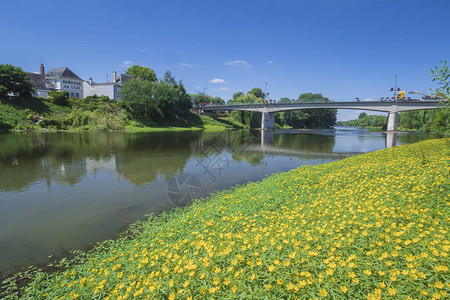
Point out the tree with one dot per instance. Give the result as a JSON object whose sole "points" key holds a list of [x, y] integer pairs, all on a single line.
{"points": [[14, 81], [59, 98], [285, 100], [311, 118], [441, 121], [441, 74], [362, 115], [257, 92], [141, 73], [237, 95], [154, 101]]}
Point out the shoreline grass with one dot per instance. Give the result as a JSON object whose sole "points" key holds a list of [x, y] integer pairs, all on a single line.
{"points": [[370, 226]]}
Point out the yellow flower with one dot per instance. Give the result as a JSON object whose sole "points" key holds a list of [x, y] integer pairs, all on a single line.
{"points": [[323, 293], [268, 287], [271, 268], [392, 291], [344, 289], [172, 296], [186, 284]]}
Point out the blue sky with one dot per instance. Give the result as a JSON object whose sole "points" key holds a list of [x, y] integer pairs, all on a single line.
{"points": [[341, 48]]}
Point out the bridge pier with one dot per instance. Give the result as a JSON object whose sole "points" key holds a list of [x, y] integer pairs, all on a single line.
{"points": [[392, 121], [268, 121]]}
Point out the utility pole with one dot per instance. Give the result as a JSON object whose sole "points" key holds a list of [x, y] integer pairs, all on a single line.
{"points": [[395, 88], [265, 91]]}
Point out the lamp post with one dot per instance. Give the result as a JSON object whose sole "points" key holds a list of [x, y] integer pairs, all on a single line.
{"points": [[395, 88]]}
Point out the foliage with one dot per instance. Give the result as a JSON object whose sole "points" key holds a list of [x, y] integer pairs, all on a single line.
{"points": [[14, 81], [365, 120], [250, 119], [257, 92], [200, 98], [371, 226], [102, 119], [156, 102], [59, 98], [141, 73], [441, 74], [441, 122], [311, 118], [237, 95]]}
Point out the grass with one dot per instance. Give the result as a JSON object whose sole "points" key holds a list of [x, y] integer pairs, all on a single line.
{"points": [[367, 227], [94, 114]]}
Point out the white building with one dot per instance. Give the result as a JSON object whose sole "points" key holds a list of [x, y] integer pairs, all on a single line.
{"points": [[109, 89], [41, 85], [64, 79]]}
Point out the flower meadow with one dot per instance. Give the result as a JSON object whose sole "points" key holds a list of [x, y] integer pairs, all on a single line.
{"points": [[373, 226]]}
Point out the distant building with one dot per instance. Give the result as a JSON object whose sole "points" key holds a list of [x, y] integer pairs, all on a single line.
{"points": [[65, 80], [109, 89], [41, 85]]}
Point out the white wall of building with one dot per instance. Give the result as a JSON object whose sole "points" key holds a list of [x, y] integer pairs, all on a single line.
{"points": [[73, 86], [110, 90]]}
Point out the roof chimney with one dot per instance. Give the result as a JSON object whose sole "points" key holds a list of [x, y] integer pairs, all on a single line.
{"points": [[42, 69], [114, 76], [90, 80]]}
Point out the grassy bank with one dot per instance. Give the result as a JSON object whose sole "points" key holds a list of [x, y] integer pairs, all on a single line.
{"points": [[93, 114], [370, 226]]}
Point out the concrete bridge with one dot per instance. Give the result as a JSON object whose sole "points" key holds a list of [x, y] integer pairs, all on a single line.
{"points": [[268, 110]]}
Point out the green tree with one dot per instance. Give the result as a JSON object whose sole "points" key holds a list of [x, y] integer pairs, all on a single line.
{"points": [[14, 81], [441, 74], [285, 100], [441, 121], [237, 95], [250, 119], [59, 98], [362, 115], [311, 118], [142, 73], [257, 92]]}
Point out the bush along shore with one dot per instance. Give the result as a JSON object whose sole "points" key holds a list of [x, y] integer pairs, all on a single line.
{"points": [[370, 226]]}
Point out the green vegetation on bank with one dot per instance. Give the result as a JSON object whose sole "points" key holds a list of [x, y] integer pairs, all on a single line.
{"points": [[370, 226], [300, 119]]}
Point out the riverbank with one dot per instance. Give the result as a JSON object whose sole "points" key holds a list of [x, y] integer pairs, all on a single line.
{"points": [[374, 224], [96, 114]]}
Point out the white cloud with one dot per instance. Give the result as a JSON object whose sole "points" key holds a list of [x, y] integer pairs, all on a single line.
{"points": [[127, 63], [183, 65], [218, 80], [147, 51], [269, 62], [224, 89], [238, 63]]}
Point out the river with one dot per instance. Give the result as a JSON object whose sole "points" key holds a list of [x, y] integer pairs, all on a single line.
{"points": [[62, 191]]}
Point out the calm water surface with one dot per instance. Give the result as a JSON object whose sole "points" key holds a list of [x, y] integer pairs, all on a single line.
{"points": [[64, 190]]}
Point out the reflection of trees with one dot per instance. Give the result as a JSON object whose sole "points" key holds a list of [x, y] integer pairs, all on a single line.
{"points": [[238, 143], [26, 158], [305, 142], [409, 138], [148, 155]]}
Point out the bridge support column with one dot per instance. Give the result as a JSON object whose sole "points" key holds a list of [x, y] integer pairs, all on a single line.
{"points": [[268, 121], [392, 121]]}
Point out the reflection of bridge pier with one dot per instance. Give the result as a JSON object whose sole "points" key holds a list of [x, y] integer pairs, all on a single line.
{"points": [[267, 138], [391, 139]]}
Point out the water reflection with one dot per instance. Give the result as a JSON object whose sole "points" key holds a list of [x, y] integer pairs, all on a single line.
{"points": [[391, 139]]}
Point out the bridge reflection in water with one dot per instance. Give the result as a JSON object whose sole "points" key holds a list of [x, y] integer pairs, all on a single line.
{"points": [[268, 139]]}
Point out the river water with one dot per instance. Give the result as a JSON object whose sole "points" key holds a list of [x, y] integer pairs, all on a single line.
{"points": [[61, 191]]}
